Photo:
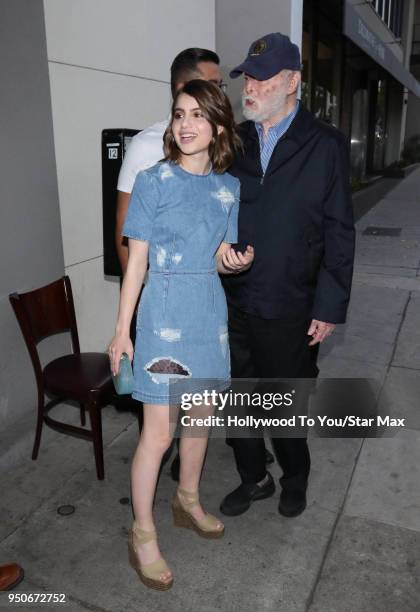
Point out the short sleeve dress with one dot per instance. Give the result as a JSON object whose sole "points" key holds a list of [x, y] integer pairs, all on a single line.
{"points": [[182, 339]]}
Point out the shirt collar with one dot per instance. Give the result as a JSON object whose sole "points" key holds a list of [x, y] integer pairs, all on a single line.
{"points": [[278, 128]]}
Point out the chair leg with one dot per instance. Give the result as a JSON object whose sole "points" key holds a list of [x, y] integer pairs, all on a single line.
{"points": [[96, 424], [82, 415], [38, 431]]}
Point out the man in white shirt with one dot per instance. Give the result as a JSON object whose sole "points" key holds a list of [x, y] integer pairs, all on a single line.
{"points": [[146, 148]]}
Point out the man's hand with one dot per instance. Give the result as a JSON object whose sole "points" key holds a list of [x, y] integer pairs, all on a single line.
{"points": [[319, 331]]}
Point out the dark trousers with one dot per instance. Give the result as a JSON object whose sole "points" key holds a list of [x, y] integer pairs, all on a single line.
{"points": [[268, 348]]}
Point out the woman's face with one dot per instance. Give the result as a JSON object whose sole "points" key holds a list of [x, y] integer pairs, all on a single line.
{"points": [[191, 130]]}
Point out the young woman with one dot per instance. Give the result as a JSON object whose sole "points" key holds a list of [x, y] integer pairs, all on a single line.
{"points": [[182, 220]]}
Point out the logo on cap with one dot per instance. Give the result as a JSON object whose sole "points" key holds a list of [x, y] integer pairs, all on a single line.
{"points": [[259, 47]]}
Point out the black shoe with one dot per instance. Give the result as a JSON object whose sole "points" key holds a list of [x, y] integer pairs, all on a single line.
{"points": [[175, 468], [269, 457], [241, 498], [293, 496]]}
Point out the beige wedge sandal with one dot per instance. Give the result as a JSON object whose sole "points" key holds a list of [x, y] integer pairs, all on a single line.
{"points": [[206, 528], [148, 573]]}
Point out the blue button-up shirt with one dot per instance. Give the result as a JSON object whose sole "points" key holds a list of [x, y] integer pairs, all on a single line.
{"points": [[275, 132]]}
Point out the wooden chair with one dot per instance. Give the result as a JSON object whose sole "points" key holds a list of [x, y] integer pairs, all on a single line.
{"points": [[82, 377]]}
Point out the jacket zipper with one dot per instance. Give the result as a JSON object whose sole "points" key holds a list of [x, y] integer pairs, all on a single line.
{"points": [[264, 173]]}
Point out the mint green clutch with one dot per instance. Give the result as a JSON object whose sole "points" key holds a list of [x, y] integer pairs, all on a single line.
{"points": [[124, 380]]}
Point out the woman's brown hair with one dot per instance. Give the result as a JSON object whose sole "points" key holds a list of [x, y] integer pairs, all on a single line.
{"points": [[216, 108]]}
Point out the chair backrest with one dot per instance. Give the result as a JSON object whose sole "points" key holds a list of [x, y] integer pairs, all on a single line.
{"points": [[44, 312]]}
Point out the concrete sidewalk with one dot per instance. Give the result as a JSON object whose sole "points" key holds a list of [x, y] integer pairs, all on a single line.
{"points": [[355, 549]]}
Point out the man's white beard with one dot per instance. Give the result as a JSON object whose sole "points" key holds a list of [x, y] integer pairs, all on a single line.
{"points": [[269, 108]]}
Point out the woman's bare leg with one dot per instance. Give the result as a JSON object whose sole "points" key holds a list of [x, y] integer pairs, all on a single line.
{"points": [[154, 440], [192, 451]]}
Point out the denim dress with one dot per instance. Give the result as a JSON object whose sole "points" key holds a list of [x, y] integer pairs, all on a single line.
{"points": [[182, 339]]}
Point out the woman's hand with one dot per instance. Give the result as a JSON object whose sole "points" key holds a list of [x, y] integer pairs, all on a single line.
{"points": [[119, 344], [235, 261]]}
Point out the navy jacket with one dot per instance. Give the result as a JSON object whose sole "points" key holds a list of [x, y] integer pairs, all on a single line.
{"points": [[299, 218]]}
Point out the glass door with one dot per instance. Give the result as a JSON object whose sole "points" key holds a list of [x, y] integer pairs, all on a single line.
{"points": [[377, 125]]}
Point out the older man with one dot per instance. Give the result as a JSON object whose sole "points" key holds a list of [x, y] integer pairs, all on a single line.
{"points": [[296, 211]]}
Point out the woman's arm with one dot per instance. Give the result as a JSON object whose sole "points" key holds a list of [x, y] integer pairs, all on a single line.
{"points": [[123, 200], [132, 283], [230, 261]]}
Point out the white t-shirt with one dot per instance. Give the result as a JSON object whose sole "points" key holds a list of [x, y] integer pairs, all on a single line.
{"points": [[144, 151]]}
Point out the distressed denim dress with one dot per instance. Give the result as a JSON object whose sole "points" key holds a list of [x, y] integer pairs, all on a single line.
{"points": [[182, 339]]}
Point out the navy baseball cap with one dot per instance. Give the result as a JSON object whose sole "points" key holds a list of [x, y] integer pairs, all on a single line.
{"points": [[267, 56]]}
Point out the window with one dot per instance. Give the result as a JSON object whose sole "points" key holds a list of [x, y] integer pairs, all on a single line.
{"points": [[391, 13], [326, 91]]}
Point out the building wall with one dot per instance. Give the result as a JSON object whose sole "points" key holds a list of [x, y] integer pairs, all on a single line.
{"points": [[397, 98], [109, 68], [30, 231], [413, 115], [237, 26], [413, 103], [378, 27]]}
